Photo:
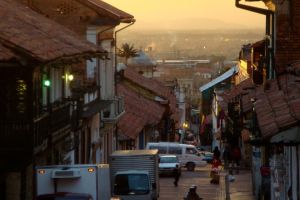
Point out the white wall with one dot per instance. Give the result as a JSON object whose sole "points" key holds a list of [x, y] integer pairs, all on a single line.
{"points": [[91, 35], [107, 71]]}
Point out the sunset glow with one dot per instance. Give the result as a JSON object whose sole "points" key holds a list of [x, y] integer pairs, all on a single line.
{"points": [[164, 13]]}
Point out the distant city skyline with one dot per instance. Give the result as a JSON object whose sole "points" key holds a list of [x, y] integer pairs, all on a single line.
{"points": [[190, 14]]}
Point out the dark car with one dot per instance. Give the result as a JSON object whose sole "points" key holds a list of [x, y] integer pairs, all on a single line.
{"points": [[208, 156]]}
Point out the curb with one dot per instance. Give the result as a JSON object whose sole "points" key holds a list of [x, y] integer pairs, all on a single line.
{"points": [[224, 187]]}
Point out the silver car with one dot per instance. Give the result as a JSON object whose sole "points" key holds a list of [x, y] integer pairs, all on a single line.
{"points": [[168, 164]]}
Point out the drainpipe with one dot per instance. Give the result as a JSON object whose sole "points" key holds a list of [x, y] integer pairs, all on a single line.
{"points": [[116, 70], [270, 40], [131, 23]]}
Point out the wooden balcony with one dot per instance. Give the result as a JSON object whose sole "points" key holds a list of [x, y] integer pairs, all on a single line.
{"points": [[21, 136], [51, 122], [80, 87], [15, 134], [60, 117]]}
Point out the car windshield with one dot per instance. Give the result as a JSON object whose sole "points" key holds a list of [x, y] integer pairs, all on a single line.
{"points": [[130, 184], [168, 160]]}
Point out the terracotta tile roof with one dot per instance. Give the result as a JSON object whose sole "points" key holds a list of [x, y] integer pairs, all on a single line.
{"points": [[26, 32], [152, 85], [6, 54], [247, 105], [240, 89], [149, 112], [259, 44], [278, 110], [133, 128], [246, 88], [102, 7]]}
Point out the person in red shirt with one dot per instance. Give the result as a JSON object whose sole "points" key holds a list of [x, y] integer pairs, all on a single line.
{"points": [[215, 164]]}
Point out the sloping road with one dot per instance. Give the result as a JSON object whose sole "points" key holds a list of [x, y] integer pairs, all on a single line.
{"points": [[199, 177]]}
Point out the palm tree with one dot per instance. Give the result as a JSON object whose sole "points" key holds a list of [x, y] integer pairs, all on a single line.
{"points": [[127, 51]]}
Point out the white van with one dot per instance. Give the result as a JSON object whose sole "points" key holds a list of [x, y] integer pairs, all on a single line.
{"points": [[188, 155]]}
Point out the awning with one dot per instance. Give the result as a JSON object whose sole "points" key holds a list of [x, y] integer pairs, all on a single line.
{"points": [[94, 107], [231, 72], [291, 135]]}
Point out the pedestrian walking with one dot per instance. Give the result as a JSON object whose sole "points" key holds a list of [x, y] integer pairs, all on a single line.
{"points": [[176, 176], [226, 156], [236, 157], [217, 152], [215, 170]]}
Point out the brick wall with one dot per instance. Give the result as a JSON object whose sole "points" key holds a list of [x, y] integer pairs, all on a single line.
{"points": [[287, 33]]}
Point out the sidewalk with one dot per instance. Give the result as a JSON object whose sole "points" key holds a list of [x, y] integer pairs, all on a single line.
{"points": [[239, 189]]}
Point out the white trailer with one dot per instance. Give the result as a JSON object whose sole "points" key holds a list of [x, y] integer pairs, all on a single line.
{"points": [[134, 174], [91, 179]]}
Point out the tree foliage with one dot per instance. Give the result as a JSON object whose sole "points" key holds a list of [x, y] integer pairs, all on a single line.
{"points": [[127, 51]]}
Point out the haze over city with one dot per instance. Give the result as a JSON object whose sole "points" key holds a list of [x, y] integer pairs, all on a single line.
{"points": [[189, 14]]}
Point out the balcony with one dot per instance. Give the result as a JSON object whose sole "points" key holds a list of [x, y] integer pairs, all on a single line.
{"points": [[80, 87], [114, 111], [60, 117], [57, 119], [15, 134]]}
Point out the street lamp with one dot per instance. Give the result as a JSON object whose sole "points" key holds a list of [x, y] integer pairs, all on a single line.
{"points": [[185, 125]]}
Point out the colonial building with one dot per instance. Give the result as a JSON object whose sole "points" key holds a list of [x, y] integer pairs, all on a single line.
{"points": [[37, 115], [269, 106], [152, 108], [101, 107]]}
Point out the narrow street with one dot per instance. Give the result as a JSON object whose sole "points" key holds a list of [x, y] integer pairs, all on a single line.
{"points": [[199, 177]]}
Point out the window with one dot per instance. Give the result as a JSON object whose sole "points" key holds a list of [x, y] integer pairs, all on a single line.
{"points": [[131, 184], [161, 150], [175, 150], [168, 160], [190, 150]]}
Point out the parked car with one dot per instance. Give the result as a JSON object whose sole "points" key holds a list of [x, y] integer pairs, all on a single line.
{"points": [[208, 156], [169, 163], [188, 155]]}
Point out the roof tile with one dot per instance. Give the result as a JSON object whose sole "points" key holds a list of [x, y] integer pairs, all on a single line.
{"points": [[110, 10], [278, 109], [141, 110], [29, 33], [154, 86]]}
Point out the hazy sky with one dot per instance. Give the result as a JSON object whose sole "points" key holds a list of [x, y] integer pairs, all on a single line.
{"points": [[189, 13]]}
